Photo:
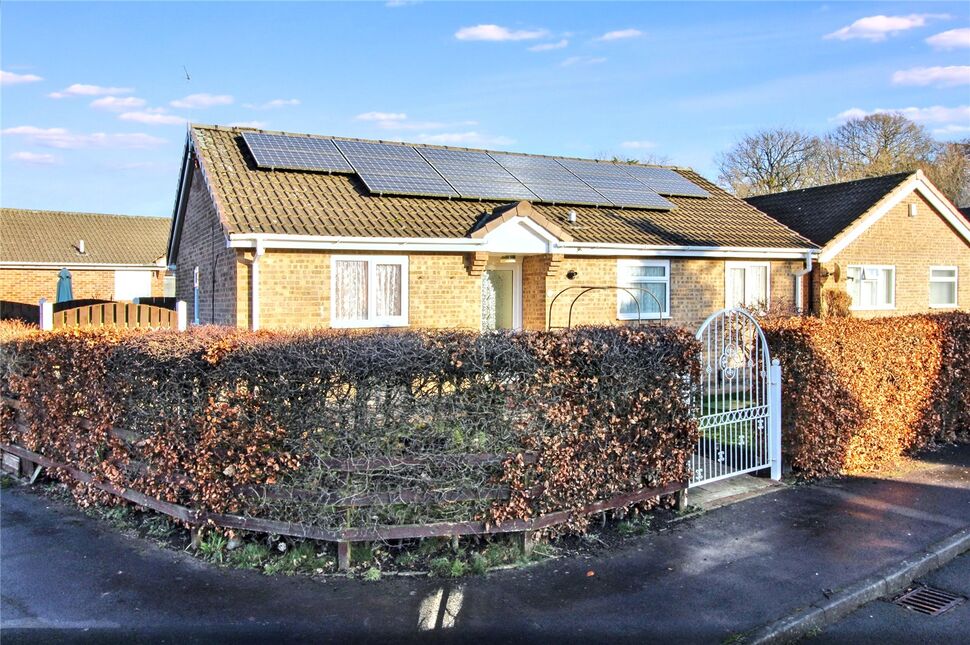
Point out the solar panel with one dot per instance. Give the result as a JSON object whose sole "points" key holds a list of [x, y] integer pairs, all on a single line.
{"points": [[550, 181], [475, 175], [665, 181], [295, 153], [394, 169], [611, 181]]}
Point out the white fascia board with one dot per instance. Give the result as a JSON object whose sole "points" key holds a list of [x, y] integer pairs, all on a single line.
{"points": [[81, 267], [465, 245], [915, 184]]}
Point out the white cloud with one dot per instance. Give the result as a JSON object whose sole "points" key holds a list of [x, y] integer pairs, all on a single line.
{"points": [[544, 47], [36, 158], [936, 114], [496, 33], [117, 103], [80, 89], [950, 76], [201, 101], [951, 39], [248, 124], [381, 117], [65, 139], [953, 129], [620, 34], [393, 4], [470, 138], [638, 145], [582, 60], [878, 28], [271, 105], [155, 116], [12, 78]]}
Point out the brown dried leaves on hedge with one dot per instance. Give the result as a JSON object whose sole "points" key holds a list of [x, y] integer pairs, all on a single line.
{"points": [[858, 394], [260, 423]]}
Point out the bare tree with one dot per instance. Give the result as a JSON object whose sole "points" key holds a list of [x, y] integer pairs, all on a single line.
{"points": [[877, 144], [949, 171], [770, 161]]}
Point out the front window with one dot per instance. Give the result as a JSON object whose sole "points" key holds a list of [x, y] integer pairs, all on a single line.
{"points": [[369, 291], [648, 285], [746, 285], [943, 286], [871, 286]]}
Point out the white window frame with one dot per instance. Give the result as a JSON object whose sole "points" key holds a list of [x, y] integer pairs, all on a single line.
{"points": [[372, 319], [954, 280], [622, 281], [737, 264], [879, 267]]}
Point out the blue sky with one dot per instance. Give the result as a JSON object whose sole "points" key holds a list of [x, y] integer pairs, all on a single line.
{"points": [[95, 98]]}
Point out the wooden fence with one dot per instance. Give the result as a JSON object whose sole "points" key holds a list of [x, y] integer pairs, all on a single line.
{"points": [[112, 314], [28, 462]]}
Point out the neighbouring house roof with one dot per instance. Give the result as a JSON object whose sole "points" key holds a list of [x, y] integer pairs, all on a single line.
{"points": [[250, 200], [822, 212], [53, 237]]}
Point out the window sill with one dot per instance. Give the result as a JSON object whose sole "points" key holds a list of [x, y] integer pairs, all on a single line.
{"points": [[364, 324], [883, 308], [952, 305], [626, 317]]}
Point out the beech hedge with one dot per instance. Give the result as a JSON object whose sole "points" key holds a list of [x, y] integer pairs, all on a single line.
{"points": [[342, 429], [858, 394]]}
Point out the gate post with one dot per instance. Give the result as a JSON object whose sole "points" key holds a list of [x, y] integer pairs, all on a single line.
{"points": [[46, 314], [774, 417]]}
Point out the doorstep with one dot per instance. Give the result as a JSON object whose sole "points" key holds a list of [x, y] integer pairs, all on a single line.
{"points": [[730, 491]]}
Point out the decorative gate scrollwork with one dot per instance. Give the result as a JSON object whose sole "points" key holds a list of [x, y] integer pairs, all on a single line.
{"points": [[738, 400]]}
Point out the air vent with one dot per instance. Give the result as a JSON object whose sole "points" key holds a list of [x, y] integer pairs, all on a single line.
{"points": [[928, 600]]}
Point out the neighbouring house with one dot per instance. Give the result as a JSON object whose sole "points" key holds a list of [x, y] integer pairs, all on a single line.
{"points": [[894, 243], [110, 257], [278, 230]]}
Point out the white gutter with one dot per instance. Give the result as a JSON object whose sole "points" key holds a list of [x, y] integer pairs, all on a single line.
{"points": [[462, 245], [254, 319], [799, 305], [81, 267]]}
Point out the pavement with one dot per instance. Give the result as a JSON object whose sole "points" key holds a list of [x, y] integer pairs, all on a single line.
{"points": [[881, 622], [709, 578]]}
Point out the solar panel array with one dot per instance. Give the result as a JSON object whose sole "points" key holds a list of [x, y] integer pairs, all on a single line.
{"points": [[394, 169], [402, 169], [295, 153], [475, 175]]}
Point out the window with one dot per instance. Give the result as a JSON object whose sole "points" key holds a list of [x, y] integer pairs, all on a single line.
{"points": [[746, 285], [943, 286], [369, 291], [871, 286], [132, 284], [643, 278]]}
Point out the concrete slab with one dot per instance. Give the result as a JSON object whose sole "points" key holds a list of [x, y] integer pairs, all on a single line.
{"points": [[730, 491]]}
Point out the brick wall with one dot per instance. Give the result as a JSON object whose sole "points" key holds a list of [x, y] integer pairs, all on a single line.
{"points": [[295, 290], [912, 245], [30, 285], [203, 245]]}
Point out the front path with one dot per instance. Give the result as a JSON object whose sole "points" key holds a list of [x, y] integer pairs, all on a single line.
{"points": [[707, 580]]}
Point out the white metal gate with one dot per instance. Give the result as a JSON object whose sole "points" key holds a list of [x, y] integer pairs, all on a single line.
{"points": [[738, 400]]}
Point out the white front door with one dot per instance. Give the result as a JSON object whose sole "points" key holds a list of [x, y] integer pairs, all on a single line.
{"points": [[502, 296]]}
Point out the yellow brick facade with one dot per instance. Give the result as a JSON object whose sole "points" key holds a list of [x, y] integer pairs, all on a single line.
{"points": [[28, 286], [443, 293], [912, 245]]}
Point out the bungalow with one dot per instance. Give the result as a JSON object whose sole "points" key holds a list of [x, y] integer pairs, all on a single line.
{"points": [[279, 230], [110, 257], [894, 243]]}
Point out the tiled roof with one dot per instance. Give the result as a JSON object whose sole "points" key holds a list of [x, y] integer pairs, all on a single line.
{"points": [[823, 212], [53, 236], [251, 200]]}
